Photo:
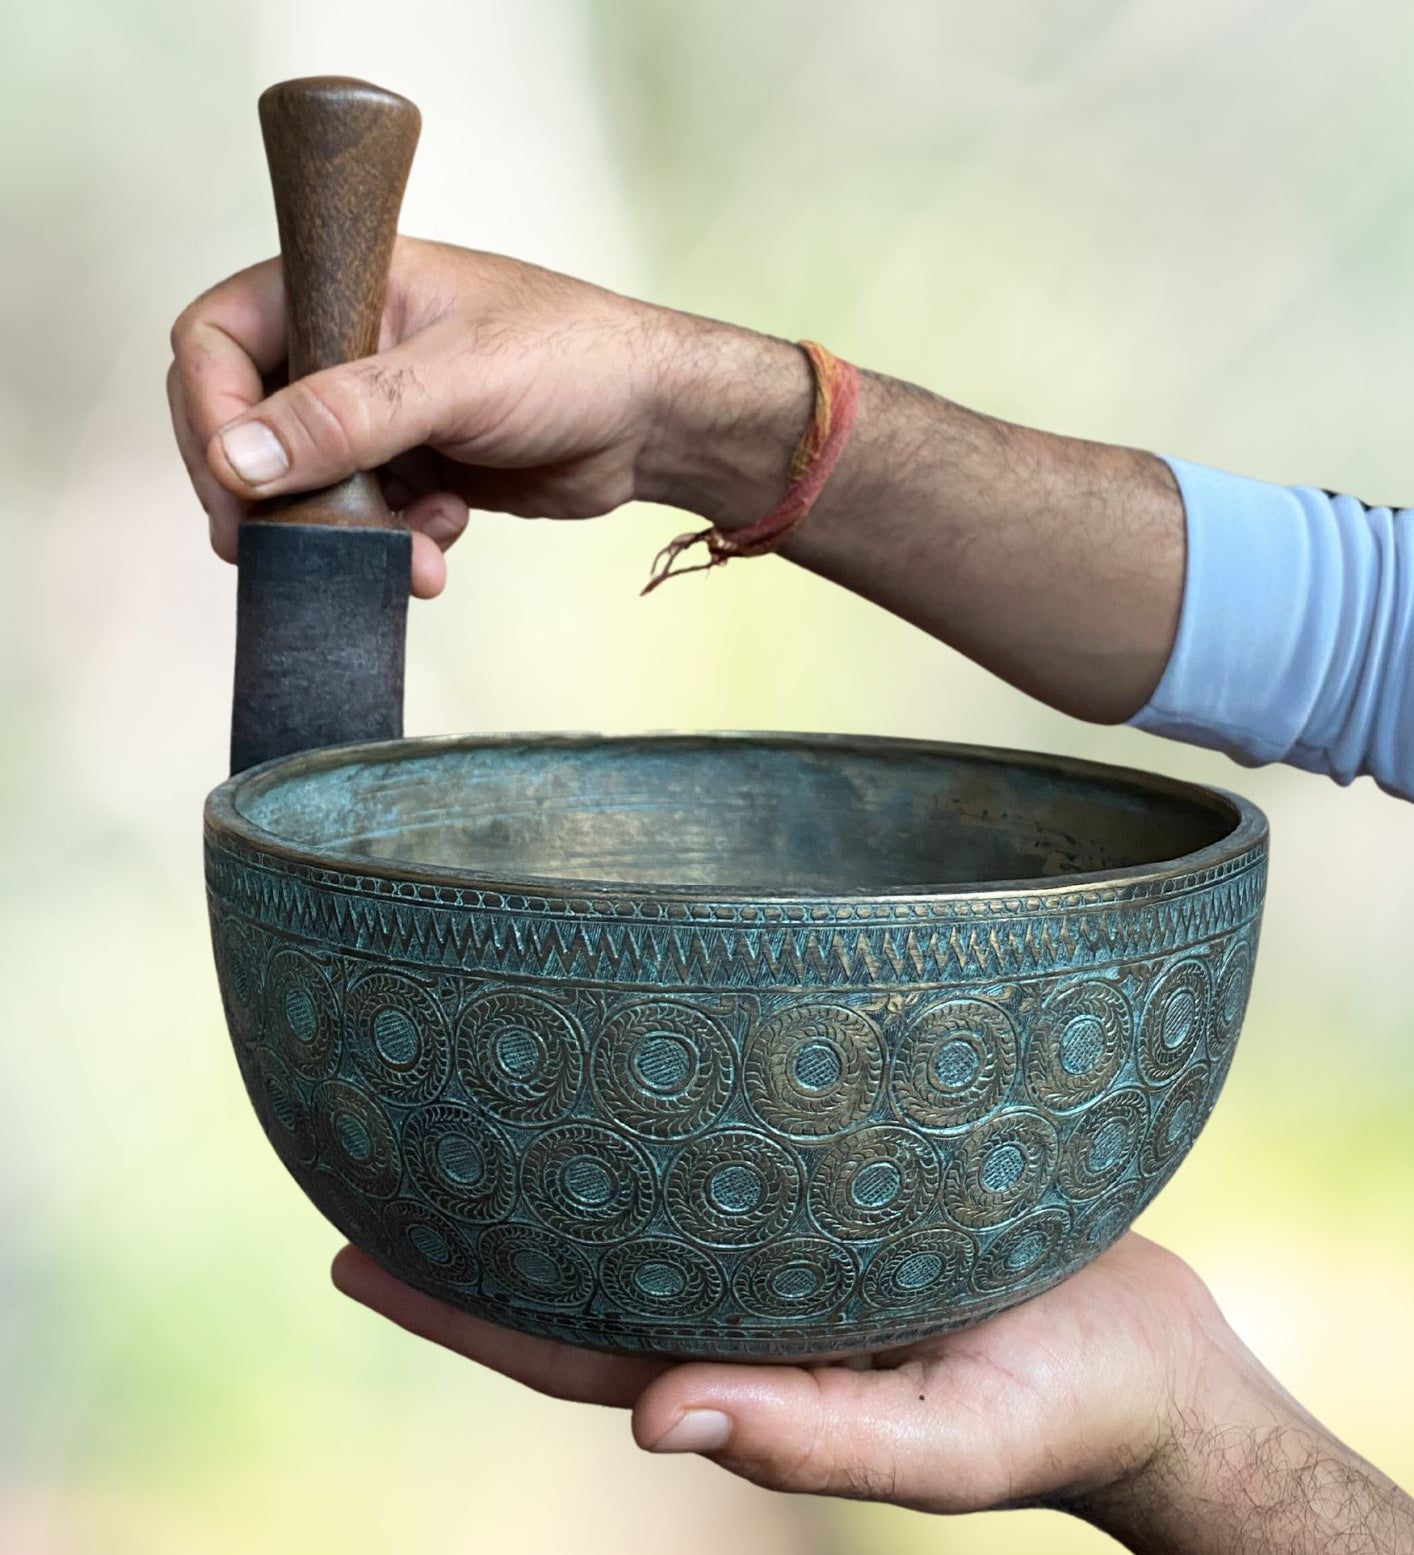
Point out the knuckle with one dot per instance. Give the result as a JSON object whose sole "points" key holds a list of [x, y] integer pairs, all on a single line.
{"points": [[861, 1480], [812, 1466], [823, 1471], [834, 1458], [324, 420], [182, 328], [581, 505]]}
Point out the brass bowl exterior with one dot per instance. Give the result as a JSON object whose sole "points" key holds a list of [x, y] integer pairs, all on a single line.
{"points": [[732, 1120]]}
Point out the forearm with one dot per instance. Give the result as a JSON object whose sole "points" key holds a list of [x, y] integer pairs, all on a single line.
{"points": [[1265, 1481], [1275, 623], [1054, 563]]}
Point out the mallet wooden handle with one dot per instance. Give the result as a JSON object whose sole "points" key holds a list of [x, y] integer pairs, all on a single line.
{"points": [[339, 152]]}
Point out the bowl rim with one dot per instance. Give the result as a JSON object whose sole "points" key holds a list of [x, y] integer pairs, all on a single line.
{"points": [[224, 822]]}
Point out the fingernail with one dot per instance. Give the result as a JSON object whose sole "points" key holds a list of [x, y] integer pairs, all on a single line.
{"points": [[699, 1430], [254, 452]]}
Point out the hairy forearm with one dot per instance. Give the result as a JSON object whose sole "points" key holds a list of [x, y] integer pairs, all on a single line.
{"points": [[1056, 564], [1239, 1467], [1284, 1487]]}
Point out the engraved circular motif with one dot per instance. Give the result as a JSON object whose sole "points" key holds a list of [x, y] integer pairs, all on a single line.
{"points": [[802, 1277], [1176, 1017], [399, 1037], [520, 1056], [356, 1140], [658, 1277], [588, 1182], [735, 1188], [536, 1266], [461, 1162], [1079, 1045], [301, 1014], [663, 1069], [1230, 998], [278, 1106], [874, 1182], [422, 1244], [240, 982], [955, 1064], [926, 1270], [1104, 1141], [1035, 1246], [1001, 1169], [812, 1070], [821, 971], [1108, 1218], [1176, 1123]]}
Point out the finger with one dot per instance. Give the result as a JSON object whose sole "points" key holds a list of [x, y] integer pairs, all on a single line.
{"points": [[225, 342], [412, 474], [490, 490], [429, 567], [440, 515], [889, 1435], [326, 426], [436, 521], [559, 1370], [223, 511]]}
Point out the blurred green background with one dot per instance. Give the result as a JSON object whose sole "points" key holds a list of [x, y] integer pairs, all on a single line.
{"points": [[1189, 227]]}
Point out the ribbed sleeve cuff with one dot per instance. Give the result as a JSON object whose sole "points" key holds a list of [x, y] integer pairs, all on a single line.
{"points": [[1238, 679]]}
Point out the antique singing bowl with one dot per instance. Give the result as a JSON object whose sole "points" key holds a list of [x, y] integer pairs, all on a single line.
{"points": [[751, 1046]]}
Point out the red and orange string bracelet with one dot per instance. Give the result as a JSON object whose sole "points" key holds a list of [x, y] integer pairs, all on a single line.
{"points": [[816, 455]]}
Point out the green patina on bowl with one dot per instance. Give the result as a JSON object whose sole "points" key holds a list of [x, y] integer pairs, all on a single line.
{"points": [[735, 1045]]}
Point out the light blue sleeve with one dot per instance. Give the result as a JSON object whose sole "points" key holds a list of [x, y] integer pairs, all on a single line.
{"points": [[1296, 638]]}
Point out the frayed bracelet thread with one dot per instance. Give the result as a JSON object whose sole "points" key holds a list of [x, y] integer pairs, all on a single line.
{"points": [[818, 452]]}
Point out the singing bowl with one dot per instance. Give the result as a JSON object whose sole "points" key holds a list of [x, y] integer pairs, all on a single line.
{"points": [[760, 1046]]}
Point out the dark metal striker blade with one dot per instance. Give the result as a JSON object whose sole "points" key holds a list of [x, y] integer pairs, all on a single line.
{"points": [[321, 618]]}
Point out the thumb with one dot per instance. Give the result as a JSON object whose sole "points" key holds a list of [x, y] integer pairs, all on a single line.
{"points": [[324, 427], [884, 1435]]}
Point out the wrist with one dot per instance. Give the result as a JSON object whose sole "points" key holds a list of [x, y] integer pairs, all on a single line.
{"points": [[728, 408], [1239, 1466]]}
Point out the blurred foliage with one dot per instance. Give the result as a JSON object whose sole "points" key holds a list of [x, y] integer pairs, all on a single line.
{"points": [[1188, 228]]}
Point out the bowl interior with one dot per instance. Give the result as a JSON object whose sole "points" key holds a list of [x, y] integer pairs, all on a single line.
{"points": [[766, 814]]}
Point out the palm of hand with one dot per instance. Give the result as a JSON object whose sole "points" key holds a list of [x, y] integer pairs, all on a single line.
{"points": [[1057, 1398]]}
